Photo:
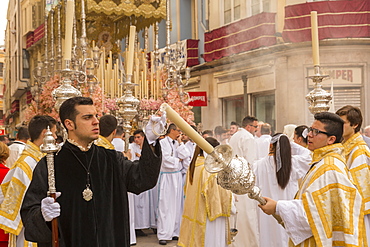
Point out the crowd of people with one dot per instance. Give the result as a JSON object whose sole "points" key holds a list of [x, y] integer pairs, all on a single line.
{"points": [[315, 181]]}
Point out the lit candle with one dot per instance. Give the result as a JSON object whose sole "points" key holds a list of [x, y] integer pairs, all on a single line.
{"points": [[315, 39], [186, 128], [131, 44], [70, 13]]}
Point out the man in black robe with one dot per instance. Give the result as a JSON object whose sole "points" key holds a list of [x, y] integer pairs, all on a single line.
{"points": [[102, 221]]}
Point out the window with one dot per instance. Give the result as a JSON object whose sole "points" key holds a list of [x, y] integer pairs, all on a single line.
{"points": [[231, 10], [259, 6], [26, 64], [265, 109], [233, 109]]}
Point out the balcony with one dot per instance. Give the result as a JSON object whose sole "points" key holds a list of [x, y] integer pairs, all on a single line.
{"points": [[241, 36], [336, 20]]}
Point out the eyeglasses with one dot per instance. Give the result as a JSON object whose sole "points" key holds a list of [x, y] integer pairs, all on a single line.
{"points": [[255, 126], [314, 131]]}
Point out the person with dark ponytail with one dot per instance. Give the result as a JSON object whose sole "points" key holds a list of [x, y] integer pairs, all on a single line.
{"points": [[207, 206], [299, 138], [277, 176]]}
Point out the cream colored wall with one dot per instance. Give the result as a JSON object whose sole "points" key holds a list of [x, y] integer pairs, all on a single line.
{"points": [[293, 2], [214, 14], [211, 114]]}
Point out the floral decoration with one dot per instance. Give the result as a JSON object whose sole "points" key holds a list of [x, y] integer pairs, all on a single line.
{"points": [[46, 103]]}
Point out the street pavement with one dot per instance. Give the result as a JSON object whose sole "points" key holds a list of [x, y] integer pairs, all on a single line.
{"points": [[151, 240]]}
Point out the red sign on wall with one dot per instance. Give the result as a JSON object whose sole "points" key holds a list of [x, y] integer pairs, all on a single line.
{"points": [[198, 98], [2, 132]]}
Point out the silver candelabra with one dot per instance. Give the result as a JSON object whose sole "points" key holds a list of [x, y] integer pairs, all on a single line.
{"points": [[175, 62]]}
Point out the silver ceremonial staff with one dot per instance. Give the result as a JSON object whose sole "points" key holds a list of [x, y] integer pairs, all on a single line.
{"points": [[234, 173], [50, 147]]}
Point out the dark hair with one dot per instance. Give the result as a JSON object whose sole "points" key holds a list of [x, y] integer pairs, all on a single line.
{"points": [[234, 123], [139, 131], [208, 132], [353, 115], [198, 151], [68, 109], [283, 175], [194, 128], [131, 139], [2, 138], [219, 130], [333, 124], [248, 120], [38, 124], [119, 131], [23, 133], [265, 129], [299, 130], [59, 139], [107, 124], [172, 126]]}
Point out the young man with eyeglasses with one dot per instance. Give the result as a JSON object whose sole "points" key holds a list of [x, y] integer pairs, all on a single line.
{"points": [[328, 208], [244, 145], [357, 154]]}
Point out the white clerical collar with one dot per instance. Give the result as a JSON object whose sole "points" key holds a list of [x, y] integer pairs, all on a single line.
{"points": [[79, 146]]}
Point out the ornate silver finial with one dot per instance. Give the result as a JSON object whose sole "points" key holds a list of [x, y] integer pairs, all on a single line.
{"points": [[318, 98], [49, 145]]}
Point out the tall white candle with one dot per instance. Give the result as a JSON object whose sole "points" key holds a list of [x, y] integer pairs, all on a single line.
{"points": [[70, 13], [131, 45], [315, 39], [186, 128]]}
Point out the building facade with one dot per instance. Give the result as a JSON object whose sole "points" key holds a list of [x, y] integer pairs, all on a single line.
{"points": [[254, 56]]}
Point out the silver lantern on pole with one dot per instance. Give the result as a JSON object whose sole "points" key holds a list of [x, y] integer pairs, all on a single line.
{"points": [[127, 104], [318, 98]]}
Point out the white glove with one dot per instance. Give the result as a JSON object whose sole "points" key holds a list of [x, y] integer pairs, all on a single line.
{"points": [[155, 127], [49, 208]]}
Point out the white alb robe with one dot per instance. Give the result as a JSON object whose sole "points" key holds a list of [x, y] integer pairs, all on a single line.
{"points": [[263, 146], [170, 189], [244, 145]]}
